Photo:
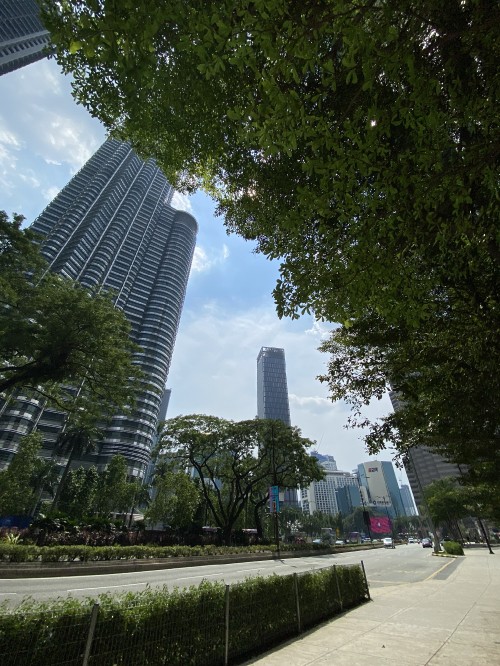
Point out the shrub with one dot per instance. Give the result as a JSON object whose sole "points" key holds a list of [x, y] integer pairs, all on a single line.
{"points": [[177, 627], [453, 548]]}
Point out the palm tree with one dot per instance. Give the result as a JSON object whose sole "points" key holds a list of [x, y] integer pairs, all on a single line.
{"points": [[74, 442]]}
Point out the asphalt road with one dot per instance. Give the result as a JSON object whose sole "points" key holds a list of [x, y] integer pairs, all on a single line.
{"points": [[403, 564]]}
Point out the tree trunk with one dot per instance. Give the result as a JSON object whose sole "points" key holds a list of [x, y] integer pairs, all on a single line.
{"points": [[61, 483]]}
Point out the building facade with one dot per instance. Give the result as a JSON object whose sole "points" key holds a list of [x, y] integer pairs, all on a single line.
{"points": [[113, 226], [382, 490], [272, 389], [407, 499], [422, 465], [323, 496], [272, 396], [23, 37]]}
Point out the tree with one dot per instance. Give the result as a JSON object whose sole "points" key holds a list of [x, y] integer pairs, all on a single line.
{"points": [[17, 487], [355, 141], [76, 440], [58, 339], [442, 374], [115, 492], [175, 500], [447, 504], [79, 493], [232, 460]]}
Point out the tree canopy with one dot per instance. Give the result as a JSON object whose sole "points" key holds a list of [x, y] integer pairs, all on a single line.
{"points": [[356, 141], [59, 340], [235, 460]]}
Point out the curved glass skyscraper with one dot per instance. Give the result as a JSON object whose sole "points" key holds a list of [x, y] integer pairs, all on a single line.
{"points": [[113, 225], [23, 37]]}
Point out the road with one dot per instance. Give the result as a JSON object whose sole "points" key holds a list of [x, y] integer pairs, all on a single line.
{"points": [[403, 564]]}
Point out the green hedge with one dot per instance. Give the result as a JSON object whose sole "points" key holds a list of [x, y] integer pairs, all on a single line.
{"points": [[453, 548], [179, 627]]}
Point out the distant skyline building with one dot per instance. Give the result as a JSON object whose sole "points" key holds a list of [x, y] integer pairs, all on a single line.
{"points": [[379, 480], [23, 37], [323, 495], [113, 225], [272, 388], [422, 465], [407, 499], [272, 396]]}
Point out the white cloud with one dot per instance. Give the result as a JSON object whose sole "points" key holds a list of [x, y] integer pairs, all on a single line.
{"points": [[8, 138], [203, 263], [50, 193], [214, 372], [182, 202], [30, 178]]}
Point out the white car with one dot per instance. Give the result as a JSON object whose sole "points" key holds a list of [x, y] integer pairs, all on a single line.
{"points": [[388, 542]]}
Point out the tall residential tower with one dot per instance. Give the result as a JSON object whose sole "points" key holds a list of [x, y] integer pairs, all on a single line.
{"points": [[113, 226], [23, 37]]}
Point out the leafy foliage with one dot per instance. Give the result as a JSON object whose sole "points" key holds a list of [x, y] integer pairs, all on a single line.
{"points": [[453, 548], [177, 627], [53, 330], [235, 460], [176, 498], [356, 141], [19, 481]]}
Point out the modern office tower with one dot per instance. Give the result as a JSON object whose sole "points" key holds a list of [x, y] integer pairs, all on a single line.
{"points": [[407, 499], [422, 465], [272, 390], [113, 225], [379, 480], [272, 396], [322, 495], [23, 37]]}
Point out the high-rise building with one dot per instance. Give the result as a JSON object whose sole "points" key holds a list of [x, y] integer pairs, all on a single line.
{"points": [[23, 37], [323, 495], [272, 389], [113, 226], [407, 499], [272, 396], [422, 465], [379, 480]]}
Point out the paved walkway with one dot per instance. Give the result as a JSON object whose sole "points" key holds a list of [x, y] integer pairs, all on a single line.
{"points": [[452, 618]]}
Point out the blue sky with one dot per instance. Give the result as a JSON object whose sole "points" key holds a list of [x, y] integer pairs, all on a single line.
{"points": [[229, 312]]}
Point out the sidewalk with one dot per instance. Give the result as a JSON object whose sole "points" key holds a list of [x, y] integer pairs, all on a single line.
{"points": [[452, 618]]}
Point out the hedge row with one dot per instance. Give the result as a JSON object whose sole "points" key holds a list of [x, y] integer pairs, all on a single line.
{"points": [[453, 548], [71, 553], [179, 627]]}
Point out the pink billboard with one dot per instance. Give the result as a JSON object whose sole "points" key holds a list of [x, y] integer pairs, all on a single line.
{"points": [[380, 525]]}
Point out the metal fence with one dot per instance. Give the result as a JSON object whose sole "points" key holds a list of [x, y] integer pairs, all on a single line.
{"points": [[214, 624]]}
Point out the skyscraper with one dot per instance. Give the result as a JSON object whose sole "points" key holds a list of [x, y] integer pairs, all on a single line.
{"points": [[379, 480], [422, 465], [323, 495], [23, 37], [113, 225], [272, 390], [272, 396]]}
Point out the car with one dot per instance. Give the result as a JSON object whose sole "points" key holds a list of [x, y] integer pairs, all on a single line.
{"points": [[411, 540], [426, 543], [339, 542], [388, 542], [317, 541]]}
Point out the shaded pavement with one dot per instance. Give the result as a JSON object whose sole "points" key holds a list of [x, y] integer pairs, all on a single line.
{"points": [[452, 617]]}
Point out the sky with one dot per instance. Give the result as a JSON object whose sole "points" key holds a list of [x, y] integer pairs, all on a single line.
{"points": [[229, 313]]}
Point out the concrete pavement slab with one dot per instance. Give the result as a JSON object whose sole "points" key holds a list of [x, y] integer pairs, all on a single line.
{"points": [[453, 617]]}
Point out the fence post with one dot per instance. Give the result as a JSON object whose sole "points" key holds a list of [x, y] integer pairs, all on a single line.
{"points": [[338, 587], [90, 637], [226, 650], [366, 580], [297, 601]]}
